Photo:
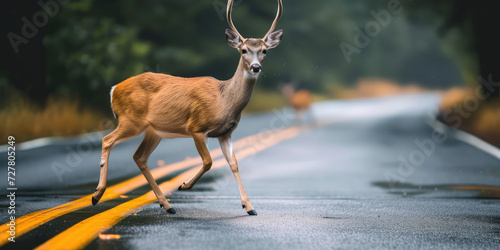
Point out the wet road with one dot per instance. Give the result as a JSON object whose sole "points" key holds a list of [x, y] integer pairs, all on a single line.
{"points": [[374, 174]]}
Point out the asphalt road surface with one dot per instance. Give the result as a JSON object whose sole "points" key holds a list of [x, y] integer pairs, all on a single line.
{"points": [[369, 174]]}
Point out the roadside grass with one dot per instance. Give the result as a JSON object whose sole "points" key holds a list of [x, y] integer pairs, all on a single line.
{"points": [[64, 117], [483, 122], [263, 100], [372, 88], [60, 117]]}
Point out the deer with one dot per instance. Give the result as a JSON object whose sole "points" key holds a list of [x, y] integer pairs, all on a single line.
{"points": [[299, 100], [166, 106]]}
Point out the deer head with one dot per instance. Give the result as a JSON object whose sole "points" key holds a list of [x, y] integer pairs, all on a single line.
{"points": [[253, 50]]}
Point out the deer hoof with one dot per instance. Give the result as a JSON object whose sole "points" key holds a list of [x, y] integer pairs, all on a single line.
{"points": [[243, 206], [252, 212], [94, 201], [171, 210], [182, 188]]}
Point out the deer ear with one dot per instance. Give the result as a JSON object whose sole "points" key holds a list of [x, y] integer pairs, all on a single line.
{"points": [[274, 39], [232, 38]]}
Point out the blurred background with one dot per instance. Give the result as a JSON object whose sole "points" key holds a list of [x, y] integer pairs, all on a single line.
{"points": [[59, 59]]}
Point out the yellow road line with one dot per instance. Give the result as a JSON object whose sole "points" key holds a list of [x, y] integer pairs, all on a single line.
{"points": [[85, 231], [33, 220], [81, 234]]}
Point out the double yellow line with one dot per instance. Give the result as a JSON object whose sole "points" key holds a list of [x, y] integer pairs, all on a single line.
{"points": [[82, 233]]}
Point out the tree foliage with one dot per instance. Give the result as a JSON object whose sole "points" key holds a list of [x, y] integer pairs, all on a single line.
{"points": [[90, 45]]}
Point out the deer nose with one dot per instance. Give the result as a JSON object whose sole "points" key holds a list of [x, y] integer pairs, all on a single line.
{"points": [[256, 68]]}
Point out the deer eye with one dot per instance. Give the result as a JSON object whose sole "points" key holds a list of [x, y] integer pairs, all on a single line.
{"points": [[243, 51], [264, 52]]}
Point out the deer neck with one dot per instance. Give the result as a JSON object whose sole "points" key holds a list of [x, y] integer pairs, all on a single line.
{"points": [[236, 92]]}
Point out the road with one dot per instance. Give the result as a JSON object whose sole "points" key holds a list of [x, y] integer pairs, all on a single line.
{"points": [[373, 174]]}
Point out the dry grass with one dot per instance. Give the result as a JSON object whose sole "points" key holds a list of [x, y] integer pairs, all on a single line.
{"points": [[482, 121], [374, 87], [26, 121], [454, 96], [262, 101], [62, 117]]}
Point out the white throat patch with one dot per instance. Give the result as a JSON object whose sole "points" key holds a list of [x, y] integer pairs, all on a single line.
{"points": [[249, 75]]}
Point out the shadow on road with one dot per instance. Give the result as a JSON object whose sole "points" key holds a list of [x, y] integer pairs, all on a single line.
{"points": [[407, 189]]}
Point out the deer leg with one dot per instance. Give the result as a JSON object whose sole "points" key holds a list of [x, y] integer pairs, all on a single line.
{"points": [[227, 150], [141, 156], [120, 134], [201, 146]]}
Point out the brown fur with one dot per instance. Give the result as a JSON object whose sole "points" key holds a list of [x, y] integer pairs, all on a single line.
{"points": [[300, 100], [165, 106]]}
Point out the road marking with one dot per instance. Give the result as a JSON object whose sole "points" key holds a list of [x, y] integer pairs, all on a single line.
{"points": [[82, 233], [33, 220], [467, 138], [478, 143], [109, 236]]}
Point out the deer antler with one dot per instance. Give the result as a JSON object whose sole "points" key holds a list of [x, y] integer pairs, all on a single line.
{"points": [[278, 15], [230, 20]]}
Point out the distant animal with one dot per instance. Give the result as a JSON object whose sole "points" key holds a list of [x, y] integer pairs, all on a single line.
{"points": [[299, 100], [165, 106]]}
